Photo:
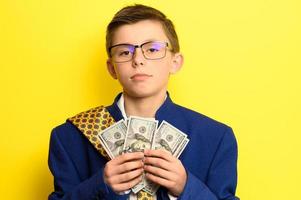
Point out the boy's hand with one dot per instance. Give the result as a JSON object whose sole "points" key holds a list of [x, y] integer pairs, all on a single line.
{"points": [[164, 169], [124, 171]]}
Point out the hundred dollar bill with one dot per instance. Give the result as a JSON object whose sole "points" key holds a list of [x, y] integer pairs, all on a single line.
{"points": [[140, 132], [139, 136], [150, 187], [113, 138], [168, 137], [127, 119], [171, 139], [181, 148]]}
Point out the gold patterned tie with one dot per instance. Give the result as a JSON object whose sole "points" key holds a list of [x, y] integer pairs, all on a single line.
{"points": [[90, 123]]}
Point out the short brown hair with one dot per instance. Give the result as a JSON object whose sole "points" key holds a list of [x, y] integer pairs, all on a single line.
{"points": [[136, 13]]}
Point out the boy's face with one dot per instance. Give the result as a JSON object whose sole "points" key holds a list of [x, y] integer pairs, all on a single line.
{"points": [[141, 77]]}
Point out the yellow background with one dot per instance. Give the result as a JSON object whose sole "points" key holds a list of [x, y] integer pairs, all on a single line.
{"points": [[242, 67]]}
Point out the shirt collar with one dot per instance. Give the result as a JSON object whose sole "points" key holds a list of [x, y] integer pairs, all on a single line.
{"points": [[120, 104], [118, 112]]}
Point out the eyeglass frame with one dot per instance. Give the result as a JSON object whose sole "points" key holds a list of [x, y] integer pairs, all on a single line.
{"points": [[167, 47]]}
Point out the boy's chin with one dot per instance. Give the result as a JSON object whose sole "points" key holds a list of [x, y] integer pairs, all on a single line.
{"points": [[141, 94]]}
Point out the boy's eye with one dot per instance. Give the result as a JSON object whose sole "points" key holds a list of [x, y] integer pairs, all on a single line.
{"points": [[153, 47], [124, 53], [153, 50]]}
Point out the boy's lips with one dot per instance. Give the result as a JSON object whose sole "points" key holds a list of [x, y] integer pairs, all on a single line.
{"points": [[140, 77]]}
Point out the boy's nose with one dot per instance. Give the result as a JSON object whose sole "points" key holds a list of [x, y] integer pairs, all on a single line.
{"points": [[138, 58]]}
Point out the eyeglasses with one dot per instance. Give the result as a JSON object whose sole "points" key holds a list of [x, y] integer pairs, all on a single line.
{"points": [[153, 50]]}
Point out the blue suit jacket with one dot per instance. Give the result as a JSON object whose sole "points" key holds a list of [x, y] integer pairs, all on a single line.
{"points": [[210, 159]]}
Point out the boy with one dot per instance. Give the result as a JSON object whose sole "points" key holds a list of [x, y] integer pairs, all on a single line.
{"points": [[143, 51]]}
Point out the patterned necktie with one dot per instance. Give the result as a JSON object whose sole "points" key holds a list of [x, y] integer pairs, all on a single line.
{"points": [[90, 123]]}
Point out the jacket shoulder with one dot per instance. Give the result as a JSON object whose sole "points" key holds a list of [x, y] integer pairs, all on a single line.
{"points": [[194, 117], [65, 131]]}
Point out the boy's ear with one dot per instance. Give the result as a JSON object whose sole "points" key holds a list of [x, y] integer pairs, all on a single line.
{"points": [[111, 69], [177, 62]]}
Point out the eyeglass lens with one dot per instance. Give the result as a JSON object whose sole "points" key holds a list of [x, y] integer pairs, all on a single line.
{"points": [[150, 50]]}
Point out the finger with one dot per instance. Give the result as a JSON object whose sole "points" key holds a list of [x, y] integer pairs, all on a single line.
{"points": [[125, 177], [125, 167], [160, 172], [128, 157], [160, 153], [158, 162], [159, 180], [127, 185]]}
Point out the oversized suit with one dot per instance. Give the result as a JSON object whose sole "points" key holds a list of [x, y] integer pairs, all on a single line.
{"points": [[210, 158]]}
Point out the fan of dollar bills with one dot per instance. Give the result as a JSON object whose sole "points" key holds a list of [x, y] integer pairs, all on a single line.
{"points": [[137, 134]]}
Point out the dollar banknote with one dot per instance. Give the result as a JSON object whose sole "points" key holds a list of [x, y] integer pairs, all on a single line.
{"points": [[136, 134], [168, 137], [139, 136], [181, 148], [150, 187], [140, 132], [171, 139], [113, 138]]}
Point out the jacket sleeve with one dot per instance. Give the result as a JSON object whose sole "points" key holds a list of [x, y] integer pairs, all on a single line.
{"points": [[67, 183], [222, 176]]}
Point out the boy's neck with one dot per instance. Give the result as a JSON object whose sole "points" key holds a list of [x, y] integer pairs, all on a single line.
{"points": [[143, 106]]}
